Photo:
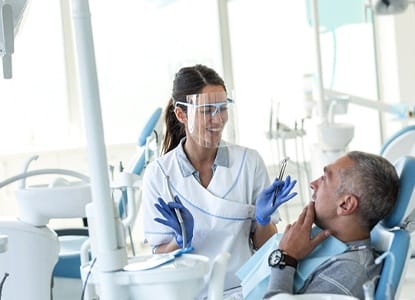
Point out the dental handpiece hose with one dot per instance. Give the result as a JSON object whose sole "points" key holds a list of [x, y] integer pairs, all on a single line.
{"points": [[178, 214]]}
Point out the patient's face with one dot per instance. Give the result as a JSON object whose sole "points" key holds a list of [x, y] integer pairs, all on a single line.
{"points": [[324, 192]]}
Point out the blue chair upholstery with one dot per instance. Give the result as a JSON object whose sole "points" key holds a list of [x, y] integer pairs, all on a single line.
{"points": [[399, 144], [392, 235], [71, 240], [150, 126]]}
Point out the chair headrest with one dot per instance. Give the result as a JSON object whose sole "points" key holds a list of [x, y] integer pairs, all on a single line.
{"points": [[403, 214], [149, 127], [399, 144]]}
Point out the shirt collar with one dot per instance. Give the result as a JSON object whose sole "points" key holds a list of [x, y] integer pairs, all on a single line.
{"points": [[359, 245], [187, 169]]}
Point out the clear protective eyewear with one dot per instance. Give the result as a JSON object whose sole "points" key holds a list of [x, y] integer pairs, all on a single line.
{"points": [[207, 114], [208, 109]]}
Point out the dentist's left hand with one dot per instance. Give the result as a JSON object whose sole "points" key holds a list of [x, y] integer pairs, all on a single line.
{"points": [[265, 206], [170, 219]]}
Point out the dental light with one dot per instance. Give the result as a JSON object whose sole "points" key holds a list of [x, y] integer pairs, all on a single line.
{"points": [[10, 18], [400, 110]]}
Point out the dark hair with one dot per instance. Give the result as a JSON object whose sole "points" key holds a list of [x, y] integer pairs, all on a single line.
{"points": [[374, 180], [187, 81]]}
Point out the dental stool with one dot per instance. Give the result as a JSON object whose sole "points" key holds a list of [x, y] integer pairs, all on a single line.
{"points": [[391, 237]]}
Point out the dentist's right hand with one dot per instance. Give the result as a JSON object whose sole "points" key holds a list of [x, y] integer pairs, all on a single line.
{"points": [[265, 206], [170, 219]]}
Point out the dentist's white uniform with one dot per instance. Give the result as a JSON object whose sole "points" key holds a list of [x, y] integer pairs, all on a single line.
{"points": [[223, 212]]}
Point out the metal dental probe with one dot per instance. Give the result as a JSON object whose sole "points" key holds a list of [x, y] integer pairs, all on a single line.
{"points": [[280, 178], [178, 214]]}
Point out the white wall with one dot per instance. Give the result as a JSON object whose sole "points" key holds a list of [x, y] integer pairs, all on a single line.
{"points": [[396, 47]]}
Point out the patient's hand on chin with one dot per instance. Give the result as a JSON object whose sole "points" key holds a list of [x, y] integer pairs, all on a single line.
{"points": [[296, 239]]}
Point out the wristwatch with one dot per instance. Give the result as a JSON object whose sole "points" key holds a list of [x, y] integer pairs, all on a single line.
{"points": [[280, 258]]}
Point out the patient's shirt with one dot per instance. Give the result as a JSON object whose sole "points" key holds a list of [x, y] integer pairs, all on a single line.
{"points": [[314, 274], [344, 274]]}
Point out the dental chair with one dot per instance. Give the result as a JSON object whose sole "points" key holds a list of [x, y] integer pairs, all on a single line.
{"points": [[151, 132], [398, 145], [149, 141], [391, 240], [391, 237], [33, 247]]}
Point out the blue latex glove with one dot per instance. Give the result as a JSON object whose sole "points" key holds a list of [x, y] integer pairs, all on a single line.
{"points": [[170, 219], [264, 203]]}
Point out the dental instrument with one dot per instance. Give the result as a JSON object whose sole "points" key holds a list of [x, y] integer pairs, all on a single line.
{"points": [[283, 165], [286, 136], [141, 263], [178, 214]]}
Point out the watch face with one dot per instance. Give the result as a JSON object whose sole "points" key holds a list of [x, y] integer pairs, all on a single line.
{"points": [[275, 258]]}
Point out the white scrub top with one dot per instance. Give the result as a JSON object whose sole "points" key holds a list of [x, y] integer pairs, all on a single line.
{"points": [[223, 212]]}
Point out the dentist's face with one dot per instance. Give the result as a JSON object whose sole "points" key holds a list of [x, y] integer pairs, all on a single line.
{"points": [[207, 119]]}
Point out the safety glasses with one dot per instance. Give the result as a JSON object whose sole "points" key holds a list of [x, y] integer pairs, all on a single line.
{"points": [[206, 117], [208, 109]]}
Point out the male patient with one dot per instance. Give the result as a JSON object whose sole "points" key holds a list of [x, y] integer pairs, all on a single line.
{"points": [[349, 199]]}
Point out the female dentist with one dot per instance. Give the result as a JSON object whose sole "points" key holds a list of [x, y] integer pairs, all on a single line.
{"points": [[203, 192]]}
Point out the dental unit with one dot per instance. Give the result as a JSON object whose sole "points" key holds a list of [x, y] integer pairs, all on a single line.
{"points": [[29, 247], [108, 274]]}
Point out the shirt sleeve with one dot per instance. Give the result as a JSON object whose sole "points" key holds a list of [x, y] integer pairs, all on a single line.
{"points": [[345, 276], [281, 281]]}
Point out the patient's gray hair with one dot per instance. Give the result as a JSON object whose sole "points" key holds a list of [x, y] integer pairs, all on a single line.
{"points": [[374, 181]]}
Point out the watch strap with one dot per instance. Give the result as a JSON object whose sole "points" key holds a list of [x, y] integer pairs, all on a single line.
{"points": [[284, 259], [289, 260]]}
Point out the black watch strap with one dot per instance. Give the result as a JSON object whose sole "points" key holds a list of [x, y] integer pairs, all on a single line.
{"points": [[279, 258], [290, 261]]}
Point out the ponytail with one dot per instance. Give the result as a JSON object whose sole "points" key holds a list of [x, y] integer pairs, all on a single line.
{"points": [[175, 130]]}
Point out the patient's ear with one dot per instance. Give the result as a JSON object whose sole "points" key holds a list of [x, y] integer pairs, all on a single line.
{"points": [[348, 205], [180, 115]]}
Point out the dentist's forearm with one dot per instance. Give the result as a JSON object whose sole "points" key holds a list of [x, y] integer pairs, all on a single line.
{"points": [[263, 233]]}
